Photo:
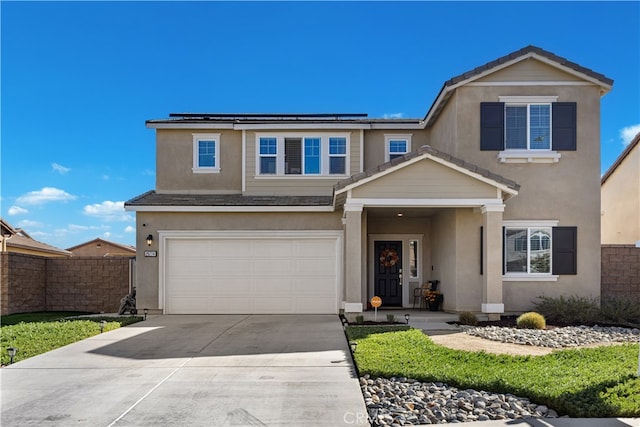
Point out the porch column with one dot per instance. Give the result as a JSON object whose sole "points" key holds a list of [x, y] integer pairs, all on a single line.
{"points": [[492, 302], [353, 258]]}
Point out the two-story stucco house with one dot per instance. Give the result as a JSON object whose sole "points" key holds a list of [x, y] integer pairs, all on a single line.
{"points": [[495, 193]]}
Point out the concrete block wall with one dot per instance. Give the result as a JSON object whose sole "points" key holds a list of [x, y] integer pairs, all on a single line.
{"points": [[30, 283], [94, 284], [620, 271], [23, 283]]}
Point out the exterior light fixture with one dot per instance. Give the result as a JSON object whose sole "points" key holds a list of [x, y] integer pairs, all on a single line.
{"points": [[12, 353], [406, 318], [102, 325], [400, 214], [146, 311], [149, 240], [353, 346]]}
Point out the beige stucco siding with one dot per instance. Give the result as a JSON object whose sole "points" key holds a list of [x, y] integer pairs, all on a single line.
{"points": [[529, 70], [174, 163], [148, 267], [297, 185], [621, 202], [425, 179]]}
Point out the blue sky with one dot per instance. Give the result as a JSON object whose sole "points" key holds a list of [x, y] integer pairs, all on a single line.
{"points": [[79, 79]]}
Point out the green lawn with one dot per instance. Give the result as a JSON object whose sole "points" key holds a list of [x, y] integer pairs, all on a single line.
{"points": [[37, 333], [595, 382]]}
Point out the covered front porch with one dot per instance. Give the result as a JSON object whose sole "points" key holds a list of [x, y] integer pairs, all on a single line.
{"points": [[424, 217]]}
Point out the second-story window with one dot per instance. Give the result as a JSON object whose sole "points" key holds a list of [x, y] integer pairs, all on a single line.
{"points": [[268, 154], [396, 146], [206, 153], [302, 155], [337, 155], [528, 127]]}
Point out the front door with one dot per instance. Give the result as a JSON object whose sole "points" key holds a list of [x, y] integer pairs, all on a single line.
{"points": [[388, 272]]}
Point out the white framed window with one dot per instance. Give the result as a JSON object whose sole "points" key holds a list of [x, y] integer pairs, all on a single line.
{"points": [[527, 126], [396, 146], [299, 155], [206, 152], [337, 155], [528, 248]]}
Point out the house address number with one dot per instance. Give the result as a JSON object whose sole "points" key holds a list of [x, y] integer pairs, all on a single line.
{"points": [[150, 253]]}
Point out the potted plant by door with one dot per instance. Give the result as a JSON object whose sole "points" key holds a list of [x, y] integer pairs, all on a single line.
{"points": [[434, 300]]}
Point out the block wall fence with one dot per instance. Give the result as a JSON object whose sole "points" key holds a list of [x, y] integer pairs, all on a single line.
{"points": [[620, 275], [93, 284]]}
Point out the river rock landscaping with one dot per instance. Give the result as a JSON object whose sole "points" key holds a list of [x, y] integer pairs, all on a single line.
{"points": [[403, 401], [565, 337]]}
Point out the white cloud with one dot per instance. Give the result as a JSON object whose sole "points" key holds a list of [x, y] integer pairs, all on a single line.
{"points": [[106, 234], [393, 115], [26, 223], [628, 133], [108, 211], [17, 210], [47, 194], [59, 168], [130, 229]]}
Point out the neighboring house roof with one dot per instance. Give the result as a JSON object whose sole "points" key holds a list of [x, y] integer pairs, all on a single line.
{"points": [[99, 241], [425, 151], [153, 199], [514, 57], [22, 242], [633, 144]]}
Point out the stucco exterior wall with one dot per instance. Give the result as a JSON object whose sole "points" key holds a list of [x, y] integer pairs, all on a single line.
{"points": [[621, 202], [174, 163], [104, 249], [147, 268]]}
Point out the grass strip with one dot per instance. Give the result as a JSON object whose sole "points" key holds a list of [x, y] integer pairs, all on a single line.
{"points": [[593, 382], [34, 338]]}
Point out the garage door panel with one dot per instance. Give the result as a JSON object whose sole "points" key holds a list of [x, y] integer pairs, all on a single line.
{"points": [[272, 267], [315, 267], [251, 275]]}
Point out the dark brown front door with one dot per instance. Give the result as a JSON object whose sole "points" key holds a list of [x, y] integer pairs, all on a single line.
{"points": [[388, 272]]}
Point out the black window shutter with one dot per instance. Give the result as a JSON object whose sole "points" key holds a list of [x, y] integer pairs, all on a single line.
{"points": [[481, 250], [492, 126], [565, 250], [504, 248], [564, 126]]}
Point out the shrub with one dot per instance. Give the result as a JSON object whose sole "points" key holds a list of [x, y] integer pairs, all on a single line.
{"points": [[531, 320], [468, 318], [391, 318], [568, 311], [360, 319], [621, 311]]}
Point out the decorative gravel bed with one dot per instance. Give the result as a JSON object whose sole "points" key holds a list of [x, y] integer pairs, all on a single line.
{"points": [[570, 336], [403, 401]]}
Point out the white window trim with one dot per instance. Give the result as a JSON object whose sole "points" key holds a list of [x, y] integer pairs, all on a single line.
{"points": [[324, 155], [197, 137], [388, 137], [531, 277], [529, 155]]}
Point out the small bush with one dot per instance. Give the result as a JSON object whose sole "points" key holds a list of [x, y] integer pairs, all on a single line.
{"points": [[391, 318], [468, 318], [568, 310], [360, 319], [531, 320]]}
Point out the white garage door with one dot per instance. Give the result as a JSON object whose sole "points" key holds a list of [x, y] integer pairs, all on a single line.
{"points": [[246, 274]]}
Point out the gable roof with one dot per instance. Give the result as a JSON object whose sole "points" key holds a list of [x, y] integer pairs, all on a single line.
{"points": [[21, 240], [508, 186], [633, 144], [124, 247], [527, 52]]}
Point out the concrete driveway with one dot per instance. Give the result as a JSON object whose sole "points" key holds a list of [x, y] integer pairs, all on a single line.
{"points": [[231, 370]]}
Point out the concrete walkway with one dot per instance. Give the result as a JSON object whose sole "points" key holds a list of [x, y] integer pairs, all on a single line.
{"points": [[192, 371]]}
